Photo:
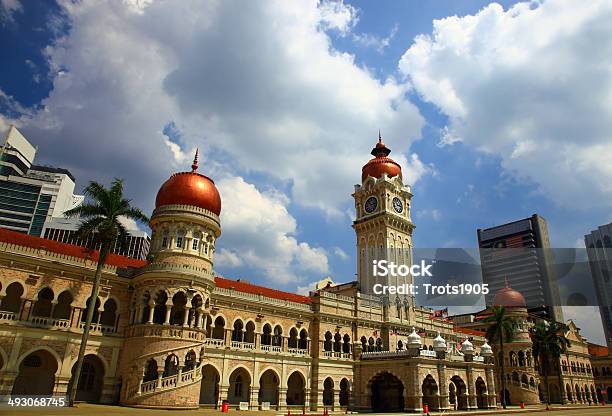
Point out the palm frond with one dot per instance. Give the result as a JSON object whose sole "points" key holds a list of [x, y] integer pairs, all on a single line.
{"points": [[85, 211]]}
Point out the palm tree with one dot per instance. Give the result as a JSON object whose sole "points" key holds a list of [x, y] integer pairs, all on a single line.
{"points": [[501, 329], [549, 342], [100, 225]]}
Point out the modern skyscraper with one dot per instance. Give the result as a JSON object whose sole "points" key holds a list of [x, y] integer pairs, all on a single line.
{"points": [[526, 264], [599, 249], [31, 194], [136, 245]]}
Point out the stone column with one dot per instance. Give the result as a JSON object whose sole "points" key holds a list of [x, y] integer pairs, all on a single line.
{"points": [[282, 398], [412, 392], [223, 395], [442, 387], [336, 399], [186, 316], [491, 389], [151, 312], [254, 399], [471, 397], [307, 398], [168, 313], [53, 305]]}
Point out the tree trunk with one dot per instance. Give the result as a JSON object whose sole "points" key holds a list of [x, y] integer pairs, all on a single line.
{"points": [[503, 376], [92, 306], [546, 385], [561, 388]]}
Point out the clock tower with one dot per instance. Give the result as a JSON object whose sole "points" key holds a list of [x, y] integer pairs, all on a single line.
{"points": [[383, 226]]}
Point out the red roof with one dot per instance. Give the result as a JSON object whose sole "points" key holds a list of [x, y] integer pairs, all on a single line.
{"points": [[469, 331], [259, 290], [598, 350], [25, 240]]}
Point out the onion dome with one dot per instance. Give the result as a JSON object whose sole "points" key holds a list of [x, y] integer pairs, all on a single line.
{"points": [[381, 163], [414, 339], [190, 188], [439, 344], [509, 297], [486, 350], [467, 348]]}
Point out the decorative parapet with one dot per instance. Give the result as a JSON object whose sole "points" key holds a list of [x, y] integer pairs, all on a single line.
{"points": [[175, 268], [260, 298], [169, 209], [42, 254], [165, 331]]}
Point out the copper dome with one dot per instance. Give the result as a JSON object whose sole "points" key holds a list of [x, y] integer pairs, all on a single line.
{"points": [[190, 188], [381, 163], [510, 298]]}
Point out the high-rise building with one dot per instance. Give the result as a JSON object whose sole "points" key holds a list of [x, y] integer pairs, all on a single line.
{"points": [[599, 249], [31, 194], [519, 252], [136, 245]]}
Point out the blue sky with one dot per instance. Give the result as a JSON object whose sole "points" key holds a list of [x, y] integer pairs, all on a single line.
{"points": [[494, 114]]}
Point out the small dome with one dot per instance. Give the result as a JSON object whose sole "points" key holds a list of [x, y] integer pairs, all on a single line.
{"points": [[414, 339], [486, 350], [467, 348], [509, 297], [190, 188], [439, 344], [380, 164]]}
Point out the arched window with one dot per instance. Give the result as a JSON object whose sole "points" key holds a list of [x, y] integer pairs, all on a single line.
{"points": [[63, 309], [86, 311], [237, 333], [249, 335], [180, 238], [364, 344], [43, 305], [293, 338], [337, 342], [327, 344], [219, 330], [521, 358], [195, 242], [346, 344], [164, 242], [266, 336], [371, 346], [303, 341], [190, 361], [109, 315], [379, 344], [159, 314], [150, 372], [277, 339], [400, 345], [171, 365], [177, 314], [11, 302]]}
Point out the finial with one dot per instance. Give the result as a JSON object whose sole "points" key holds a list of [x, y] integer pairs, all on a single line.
{"points": [[379, 137], [194, 167], [506, 281]]}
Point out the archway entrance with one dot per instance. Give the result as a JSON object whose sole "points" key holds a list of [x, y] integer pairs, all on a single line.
{"points": [[387, 393], [36, 375], [430, 393], [344, 392], [239, 386], [461, 393], [568, 393], [328, 392], [609, 394], [481, 390], [295, 390], [555, 395], [209, 387], [268, 388], [91, 379]]}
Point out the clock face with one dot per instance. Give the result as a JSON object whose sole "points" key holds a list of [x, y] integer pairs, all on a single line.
{"points": [[371, 204], [397, 205]]}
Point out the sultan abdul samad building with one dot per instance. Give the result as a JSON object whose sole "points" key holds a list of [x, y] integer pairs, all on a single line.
{"points": [[169, 333]]}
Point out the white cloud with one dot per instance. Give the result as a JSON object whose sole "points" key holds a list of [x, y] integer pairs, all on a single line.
{"points": [[532, 85], [259, 232], [341, 254], [337, 15], [8, 9], [370, 40], [272, 98]]}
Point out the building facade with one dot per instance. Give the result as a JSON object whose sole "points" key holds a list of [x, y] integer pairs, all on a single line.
{"points": [[136, 244], [31, 194], [169, 333], [599, 250], [519, 251]]}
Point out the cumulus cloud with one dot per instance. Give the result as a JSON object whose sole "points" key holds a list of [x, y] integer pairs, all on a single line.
{"points": [[370, 40], [260, 233], [341, 254], [8, 9], [276, 99], [531, 84]]}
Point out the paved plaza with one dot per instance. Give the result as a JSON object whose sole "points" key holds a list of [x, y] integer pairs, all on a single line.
{"points": [[94, 410]]}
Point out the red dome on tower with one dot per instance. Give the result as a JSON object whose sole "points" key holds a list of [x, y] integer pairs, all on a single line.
{"points": [[509, 297], [190, 188], [381, 163]]}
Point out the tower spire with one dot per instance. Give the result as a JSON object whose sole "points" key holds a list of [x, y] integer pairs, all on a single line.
{"points": [[194, 166], [379, 137]]}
